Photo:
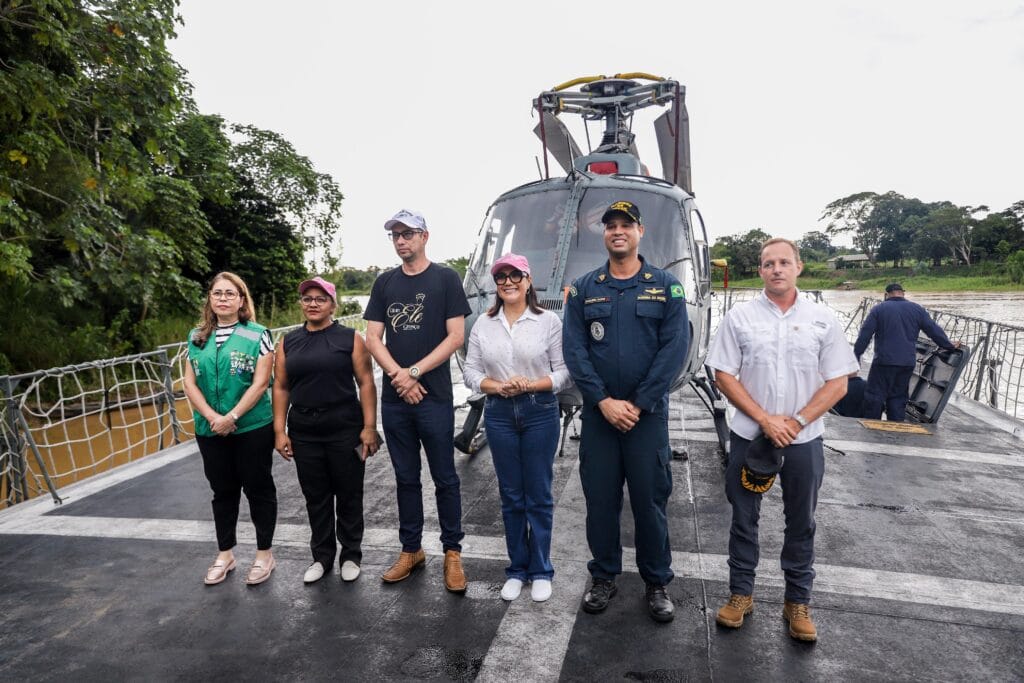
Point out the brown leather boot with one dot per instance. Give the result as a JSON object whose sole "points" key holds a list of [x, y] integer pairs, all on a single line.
{"points": [[799, 617], [454, 577], [731, 614], [403, 566]]}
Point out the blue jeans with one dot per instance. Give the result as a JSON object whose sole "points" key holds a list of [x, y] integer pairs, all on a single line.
{"points": [[522, 432], [431, 423]]}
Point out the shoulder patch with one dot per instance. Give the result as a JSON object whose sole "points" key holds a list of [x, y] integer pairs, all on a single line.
{"points": [[572, 291], [677, 292]]}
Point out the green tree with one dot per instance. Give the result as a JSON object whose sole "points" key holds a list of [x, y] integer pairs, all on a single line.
{"points": [[743, 252], [459, 264], [91, 216], [876, 222], [1015, 266], [254, 241], [308, 199], [816, 245]]}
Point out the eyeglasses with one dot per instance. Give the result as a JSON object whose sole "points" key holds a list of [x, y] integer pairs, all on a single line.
{"points": [[405, 235], [310, 300], [228, 294], [515, 276]]}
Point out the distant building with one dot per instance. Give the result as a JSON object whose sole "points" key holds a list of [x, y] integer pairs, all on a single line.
{"points": [[848, 260]]}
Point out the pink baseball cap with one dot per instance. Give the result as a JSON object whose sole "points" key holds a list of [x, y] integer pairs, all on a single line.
{"points": [[322, 284], [515, 260]]}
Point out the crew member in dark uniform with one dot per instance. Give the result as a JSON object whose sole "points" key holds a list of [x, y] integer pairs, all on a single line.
{"points": [[624, 339], [894, 323]]}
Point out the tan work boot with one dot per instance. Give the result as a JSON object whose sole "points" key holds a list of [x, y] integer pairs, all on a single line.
{"points": [[454, 577], [799, 617], [731, 614], [403, 566]]}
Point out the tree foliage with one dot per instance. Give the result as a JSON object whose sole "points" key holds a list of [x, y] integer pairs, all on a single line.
{"points": [[118, 199], [743, 252]]}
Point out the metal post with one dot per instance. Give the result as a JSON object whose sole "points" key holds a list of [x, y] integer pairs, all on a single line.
{"points": [[165, 366], [14, 445], [983, 361], [39, 460]]}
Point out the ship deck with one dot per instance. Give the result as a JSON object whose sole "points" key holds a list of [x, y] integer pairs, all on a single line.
{"points": [[919, 577]]}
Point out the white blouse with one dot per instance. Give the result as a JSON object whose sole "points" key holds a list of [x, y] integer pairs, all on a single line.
{"points": [[530, 347]]}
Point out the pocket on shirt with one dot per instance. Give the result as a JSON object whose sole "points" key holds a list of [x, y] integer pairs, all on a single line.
{"points": [[650, 309]]}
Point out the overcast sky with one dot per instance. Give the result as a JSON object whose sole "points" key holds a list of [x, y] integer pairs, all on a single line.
{"points": [[426, 105]]}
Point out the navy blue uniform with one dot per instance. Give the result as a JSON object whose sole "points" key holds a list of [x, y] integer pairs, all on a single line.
{"points": [[626, 339], [894, 323]]}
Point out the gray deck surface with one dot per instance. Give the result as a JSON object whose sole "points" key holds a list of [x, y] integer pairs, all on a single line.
{"points": [[919, 556]]}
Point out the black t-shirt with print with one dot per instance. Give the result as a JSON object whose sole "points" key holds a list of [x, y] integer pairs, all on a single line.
{"points": [[414, 309]]}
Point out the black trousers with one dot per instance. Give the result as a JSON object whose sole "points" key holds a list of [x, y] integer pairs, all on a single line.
{"points": [[889, 388], [235, 463], [331, 477]]}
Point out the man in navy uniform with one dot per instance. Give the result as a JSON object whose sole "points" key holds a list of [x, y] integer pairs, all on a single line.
{"points": [[624, 338], [894, 323]]}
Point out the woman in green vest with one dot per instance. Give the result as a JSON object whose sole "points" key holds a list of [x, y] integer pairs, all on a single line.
{"points": [[230, 359]]}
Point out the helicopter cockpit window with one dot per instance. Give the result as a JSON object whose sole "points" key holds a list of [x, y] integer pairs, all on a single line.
{"points": [[665, 242], [524, 224]]}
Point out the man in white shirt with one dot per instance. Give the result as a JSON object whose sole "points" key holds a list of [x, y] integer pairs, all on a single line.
{"points": [[782, 361]]}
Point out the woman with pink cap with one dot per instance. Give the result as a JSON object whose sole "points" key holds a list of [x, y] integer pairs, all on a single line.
{"points": [[515, 357], [331, 429]]}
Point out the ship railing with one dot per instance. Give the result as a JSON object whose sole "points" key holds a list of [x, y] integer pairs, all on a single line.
{"points": [[994, 372], [62, 425]]}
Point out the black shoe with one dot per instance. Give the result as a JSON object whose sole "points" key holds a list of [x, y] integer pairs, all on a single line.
{"points": [[596, 599], [659, 604]]}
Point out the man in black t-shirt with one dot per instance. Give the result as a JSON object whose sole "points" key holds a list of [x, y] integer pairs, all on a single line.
{"points": [[415, 322]]}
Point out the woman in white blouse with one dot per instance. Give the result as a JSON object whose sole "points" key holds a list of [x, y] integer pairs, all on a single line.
{"points": [[515, 357]]}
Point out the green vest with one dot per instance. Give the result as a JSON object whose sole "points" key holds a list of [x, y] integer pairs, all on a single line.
{"points": [[224, 374]]}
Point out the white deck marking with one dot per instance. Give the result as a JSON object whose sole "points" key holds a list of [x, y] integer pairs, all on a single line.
{"points": [[1004, 459], [532, 639]]}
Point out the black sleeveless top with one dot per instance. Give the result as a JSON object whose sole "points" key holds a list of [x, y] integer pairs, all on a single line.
{"points": [[321, 383]]}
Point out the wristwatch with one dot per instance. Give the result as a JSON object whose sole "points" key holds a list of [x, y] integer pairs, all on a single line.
{"points": [[800, 419], [414, 372]]}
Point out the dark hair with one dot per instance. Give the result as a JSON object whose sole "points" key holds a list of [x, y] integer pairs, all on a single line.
{"points": [[531, 302]]}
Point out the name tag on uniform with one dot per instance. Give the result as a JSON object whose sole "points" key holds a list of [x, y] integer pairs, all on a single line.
{"points": [[650, 297], [597, 300]]}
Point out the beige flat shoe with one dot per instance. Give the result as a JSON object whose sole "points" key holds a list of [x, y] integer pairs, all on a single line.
{"points": [[259, 572], [218, 571]]}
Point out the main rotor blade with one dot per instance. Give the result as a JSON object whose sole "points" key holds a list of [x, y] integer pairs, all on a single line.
{"points": [[559, 140], [675, 144]]}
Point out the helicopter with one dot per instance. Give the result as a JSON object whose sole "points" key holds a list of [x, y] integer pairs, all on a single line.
{"points": [[555, 222]]}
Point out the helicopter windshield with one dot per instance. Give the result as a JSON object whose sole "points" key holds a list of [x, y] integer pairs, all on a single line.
{"points": [[526, 225], [665, 234]]}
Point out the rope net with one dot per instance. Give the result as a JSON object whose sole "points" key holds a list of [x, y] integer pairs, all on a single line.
{"points": [[62, 425]]}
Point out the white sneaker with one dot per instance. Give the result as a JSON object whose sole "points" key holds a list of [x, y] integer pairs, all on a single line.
{"points": [[314, 573], [510, 591], [540, 590], [349, 571]]}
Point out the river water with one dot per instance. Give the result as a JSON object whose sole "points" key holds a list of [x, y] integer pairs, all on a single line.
{"points": [[1001, 307]]}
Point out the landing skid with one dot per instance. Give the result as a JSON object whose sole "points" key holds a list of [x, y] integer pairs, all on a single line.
{"points": [[473, 437], [706, 389]]}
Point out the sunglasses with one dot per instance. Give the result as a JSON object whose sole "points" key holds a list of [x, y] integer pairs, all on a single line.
{"points": [[515, 276]]}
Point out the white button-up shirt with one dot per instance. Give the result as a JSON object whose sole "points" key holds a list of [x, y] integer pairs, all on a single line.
{"points": [[530, 347], [781, 359]]}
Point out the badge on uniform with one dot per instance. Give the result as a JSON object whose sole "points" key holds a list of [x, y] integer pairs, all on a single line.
{"points": [[597, 331], [572, 291], [677, 292]]}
